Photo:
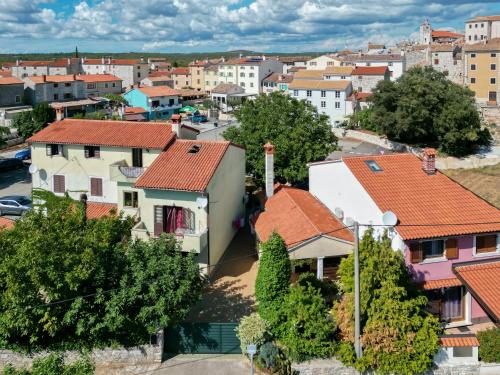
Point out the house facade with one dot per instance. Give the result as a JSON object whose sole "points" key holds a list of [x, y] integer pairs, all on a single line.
{"points": [[211, 78], [165, 80], [197, 71], [142, 169], [160, 102], [276, 82], [181, 78], [440, 225], [290, 62], [365, 78], [11, 91], [395, 63], [130, 71], [447, 58], [56, 88], [482, 28], [101, 84], [322, 62], [22, 69]]}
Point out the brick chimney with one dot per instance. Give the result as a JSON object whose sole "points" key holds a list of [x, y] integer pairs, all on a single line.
{"points": [[429, 160], [269, 172], [44, 78]]}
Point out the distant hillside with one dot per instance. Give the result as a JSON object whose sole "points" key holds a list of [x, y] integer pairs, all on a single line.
{"points": [[177, 59]]}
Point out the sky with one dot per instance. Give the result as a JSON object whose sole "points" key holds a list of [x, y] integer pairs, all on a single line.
{"points": [[222, 25]]}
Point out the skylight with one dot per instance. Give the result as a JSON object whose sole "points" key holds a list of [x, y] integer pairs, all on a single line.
{"points": [[374, 167]]}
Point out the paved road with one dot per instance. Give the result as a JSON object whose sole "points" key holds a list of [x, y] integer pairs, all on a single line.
{"points": [[17, 182]]}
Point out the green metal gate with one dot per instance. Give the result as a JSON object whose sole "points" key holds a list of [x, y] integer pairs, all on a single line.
{"points": [[202, 338]]}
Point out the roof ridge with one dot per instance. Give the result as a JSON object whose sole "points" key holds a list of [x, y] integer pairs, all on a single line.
{"points": [[300, 209]]}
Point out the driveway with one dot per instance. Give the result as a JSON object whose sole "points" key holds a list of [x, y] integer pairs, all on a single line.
{"points": [[231, 294]]}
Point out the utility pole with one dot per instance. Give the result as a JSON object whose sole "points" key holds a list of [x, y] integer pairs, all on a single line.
{"points": [[357, 345]]}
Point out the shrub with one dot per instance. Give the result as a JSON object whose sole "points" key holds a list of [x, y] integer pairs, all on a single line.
{"points": [[489, 349], [53, 364], [252, 330], [268, 355]]}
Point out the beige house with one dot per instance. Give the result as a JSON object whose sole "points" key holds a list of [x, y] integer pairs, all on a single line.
{"points": [[101, 84], [197, 70], [322, 62], [181, 78], [211, 78], [143, 169]]}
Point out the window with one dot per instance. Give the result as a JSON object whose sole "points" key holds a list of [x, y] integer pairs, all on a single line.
{"points": [[432, 249], [475, 25], [172, 219], [309, 93], [313, 63], [251, 75], [337, 94], [342, 77], [493, 55], [493, 66], [92, 151], [374, 167], [59, 184], [486, 244], [91, 86], [447, 303], [130, 199], [230, 74], [53, 149], [242, 74], [482, 25], [67, 84], [368, 64], [295, 92], [482, 37], [462, 351], [96, 187], [18, 99], [67, 96], [493, 80], [390, 63], [137, 157], [360, 77], [114, 84], [242, 84], [56, 97], [472, 80], [323, 104], [105, 85], [473, 67], [329, 63], [337, 105], [470, 37], [251, 84], [171, 102], [475, 37], [138, 74], [436, 61], [323, 94], [56, 85], [198, 81]]}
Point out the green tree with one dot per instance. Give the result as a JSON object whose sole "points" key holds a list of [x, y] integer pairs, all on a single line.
{"points": [[307, 331], [489, 345], [362, 119], [300, 135], [273, 277], [3, 131], [29, 122], [425, 108]]}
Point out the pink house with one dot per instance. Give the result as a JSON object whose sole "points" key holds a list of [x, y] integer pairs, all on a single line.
{"points": [[441, 228]]}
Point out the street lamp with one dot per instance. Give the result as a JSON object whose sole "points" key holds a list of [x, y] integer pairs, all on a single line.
{"points": [[251, 350]]}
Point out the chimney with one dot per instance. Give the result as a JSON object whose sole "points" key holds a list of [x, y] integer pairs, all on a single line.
{"points": [[269, 172], [176, 123], [59, 113], [429, 160], [102, 60], [74, 77], [44, 78]]}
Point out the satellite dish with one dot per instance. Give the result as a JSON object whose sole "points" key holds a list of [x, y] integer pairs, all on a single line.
{"points": [[338, 212], [201, 202], [33, 168], [389, 218]]}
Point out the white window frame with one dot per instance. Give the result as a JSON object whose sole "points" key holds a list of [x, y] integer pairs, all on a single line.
{"points": [[337, 105], [482, 255]]}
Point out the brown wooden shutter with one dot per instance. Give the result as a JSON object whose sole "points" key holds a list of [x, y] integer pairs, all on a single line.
{"points": [[59, 184], [158, 220], [416, 255], [486, 244], [48, 149], [96, 187], [451, 248], [87, 151]]}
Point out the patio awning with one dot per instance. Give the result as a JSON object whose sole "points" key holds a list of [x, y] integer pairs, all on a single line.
{"points": [[188, 108]]}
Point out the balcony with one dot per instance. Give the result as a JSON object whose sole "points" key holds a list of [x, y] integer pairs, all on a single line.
{"points": [[122, 172]]}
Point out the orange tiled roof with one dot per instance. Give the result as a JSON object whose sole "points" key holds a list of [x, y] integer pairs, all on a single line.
{"points": [[134, 110], [458, 340], [438, 284], [180, 71], [153, 91], [445, 34], [178, 169], [418, 198], [10, 81], [369, 71], [54, 63], [5, 73], [160, 73], [97, 210], [298, 216], [106, 133], [6, 223], [54, 78], [359, 96], [98, 78], [482, 280]]}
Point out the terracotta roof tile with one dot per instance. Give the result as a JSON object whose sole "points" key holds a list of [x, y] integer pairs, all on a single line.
{"points": [[10, 81], [106, 133], [438, 284], [97, 210], [483, 280], [134, 110], [178, 169], [458, 340], [180, 71], [370, 58], [309, 84], [98, 77], [6, 223], [338, 70], [298, 216], [279, 78], [309, 74], [54, 63], [153, 91], [446, 34], [53, 78], [490, 45], [113, 61], [418, 198], [160, 73], [370, 71]]}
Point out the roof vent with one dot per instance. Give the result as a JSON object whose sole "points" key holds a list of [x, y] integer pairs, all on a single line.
{"points": [[194, 149]]}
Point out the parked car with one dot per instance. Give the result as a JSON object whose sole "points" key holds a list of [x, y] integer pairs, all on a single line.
{"points": [[199, 118], [24, 154], [8, 164], [14, 205]]}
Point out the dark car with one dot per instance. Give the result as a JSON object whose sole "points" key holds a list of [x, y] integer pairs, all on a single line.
{"points": [[14, 205], [24, 154], [8, 164], [199, 118]]}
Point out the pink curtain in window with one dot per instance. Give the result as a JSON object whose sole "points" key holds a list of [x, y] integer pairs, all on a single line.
{"points": [[179, 219]]}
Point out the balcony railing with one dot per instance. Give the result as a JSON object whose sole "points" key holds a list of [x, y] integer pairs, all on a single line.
{"points": [[132, 172], [122, 172]]}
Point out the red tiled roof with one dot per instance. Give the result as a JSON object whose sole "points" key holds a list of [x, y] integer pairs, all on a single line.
{"points": [[458, 340], [369, 70], [178, 169], [134, 110], [180, 71], [106, 133], [5, 73], [418, 198], [359, 96], [54, 78], [445, 34], [438, 284], [10, 81], [482, 280], [113, 61], [160, 73], [54, 63], [97, 210], [153, 91], [298, 216], [6, 223], [98, 77]]}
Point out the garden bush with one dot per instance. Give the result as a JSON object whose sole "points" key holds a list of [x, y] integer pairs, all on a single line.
{"points": [[489, 341], [252, 330], [268, 355], [53, 364]]}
